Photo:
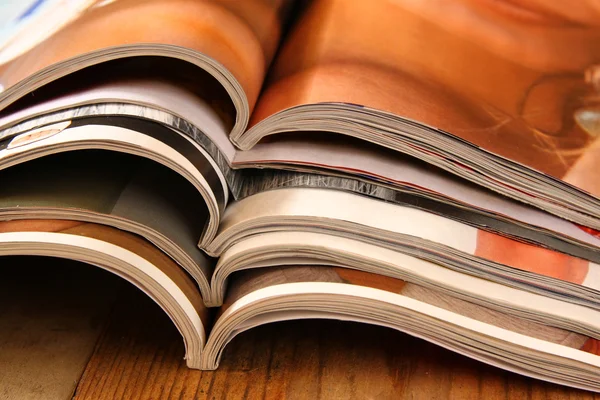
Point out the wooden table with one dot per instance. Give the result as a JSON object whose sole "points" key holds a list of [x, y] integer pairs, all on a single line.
{"points": [[70, 330]]}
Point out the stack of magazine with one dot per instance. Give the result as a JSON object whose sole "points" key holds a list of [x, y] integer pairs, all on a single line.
{"points": [[428, 166]]}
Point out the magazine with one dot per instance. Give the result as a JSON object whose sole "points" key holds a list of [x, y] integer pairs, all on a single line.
{"points": [[373, 162], [524, 128], [265, 295]]}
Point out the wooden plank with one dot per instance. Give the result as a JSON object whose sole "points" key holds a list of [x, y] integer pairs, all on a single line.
{"points": [[51, 315], [140, 356]]}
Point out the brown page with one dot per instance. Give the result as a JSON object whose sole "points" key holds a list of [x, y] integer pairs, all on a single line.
{"points": [[516, 78], [245, 282], [123, 239]]}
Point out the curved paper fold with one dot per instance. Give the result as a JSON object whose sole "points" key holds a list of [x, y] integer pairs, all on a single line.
{"points": [[123, 254], [482, 341]]}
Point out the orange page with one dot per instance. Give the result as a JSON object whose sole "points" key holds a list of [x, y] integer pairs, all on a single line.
{"points": [[241, 35], [518, 78]]}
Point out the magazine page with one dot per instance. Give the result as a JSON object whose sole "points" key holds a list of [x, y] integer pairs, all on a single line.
{"points": [[117, 237], [518, 80], [233, 41], [245, 282], [128, 256], [108, 187], [353, 159], [133, 136], [505, 295], [413, 232], [343, 214], [160, 100], [284, 293]]}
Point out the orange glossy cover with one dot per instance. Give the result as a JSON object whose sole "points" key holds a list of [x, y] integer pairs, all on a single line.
{"points": [[518, 78]]}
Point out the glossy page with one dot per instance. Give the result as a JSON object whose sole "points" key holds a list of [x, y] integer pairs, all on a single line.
{"points": [[283, 293], [246, 282], [518, 79], [241, 36]]}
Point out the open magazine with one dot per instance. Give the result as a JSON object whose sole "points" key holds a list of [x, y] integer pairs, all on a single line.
{"points": [[503, 96], [266, 295], [280, 162]]}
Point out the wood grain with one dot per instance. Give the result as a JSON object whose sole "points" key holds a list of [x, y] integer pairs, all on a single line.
{"points": [[140, 356], [51, 316]]}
